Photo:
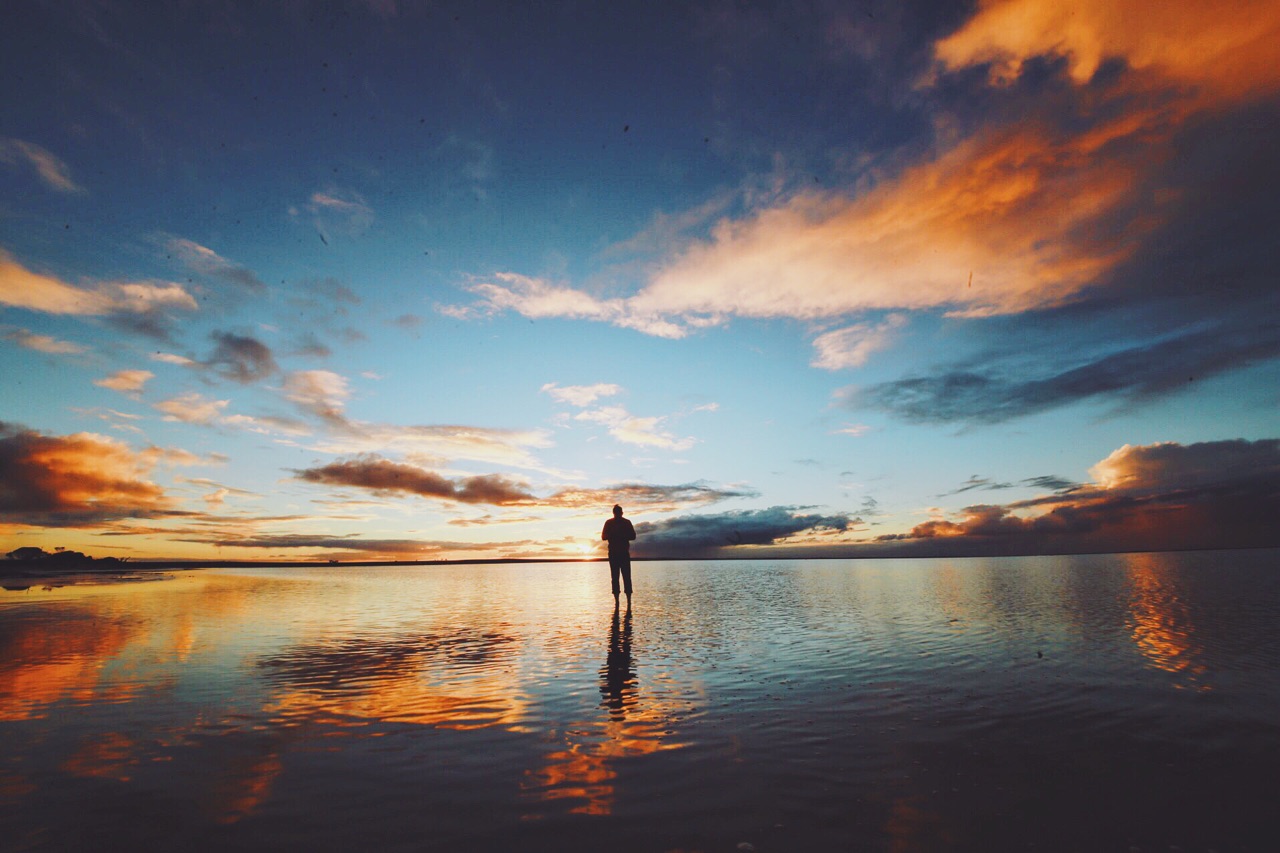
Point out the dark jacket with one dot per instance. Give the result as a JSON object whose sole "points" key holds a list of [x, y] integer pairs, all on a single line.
{"points": [[619, 532]]}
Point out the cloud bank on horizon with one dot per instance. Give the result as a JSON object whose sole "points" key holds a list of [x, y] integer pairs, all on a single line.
{"points": [[417, 295]]}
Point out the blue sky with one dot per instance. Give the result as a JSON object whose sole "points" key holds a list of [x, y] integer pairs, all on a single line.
{"points": [[399, 280]]}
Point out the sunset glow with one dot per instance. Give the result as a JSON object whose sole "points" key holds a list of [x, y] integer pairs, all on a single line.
{"points": [[375, 281]]}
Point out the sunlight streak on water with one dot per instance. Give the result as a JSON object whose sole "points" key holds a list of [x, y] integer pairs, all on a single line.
{"points": [[947, 704]]}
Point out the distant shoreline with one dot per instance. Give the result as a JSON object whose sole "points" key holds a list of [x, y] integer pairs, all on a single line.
{"points": [[17, 575]]}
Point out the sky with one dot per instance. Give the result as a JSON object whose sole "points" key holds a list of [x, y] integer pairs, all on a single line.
{"points": [[397, 280]]}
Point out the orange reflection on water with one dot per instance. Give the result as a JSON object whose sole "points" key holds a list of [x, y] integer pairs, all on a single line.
{"points": [[1160, 623], [485, 703], [584, 770], [246, 785], [453, 679], [43, 664], [108, 756]]}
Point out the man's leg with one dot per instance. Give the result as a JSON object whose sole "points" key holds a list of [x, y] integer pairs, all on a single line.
{"points": [[625, 565], [614, 564]]}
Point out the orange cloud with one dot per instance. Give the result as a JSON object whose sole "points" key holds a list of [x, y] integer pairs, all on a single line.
{"points": [[1003, 222], [41, 343], [22, 288], [1215, 494], [382, 476], [191, 408], [1226, 48], [321, 392], [1012, 217], [126, 381], [1008, 220], [66, 480]]}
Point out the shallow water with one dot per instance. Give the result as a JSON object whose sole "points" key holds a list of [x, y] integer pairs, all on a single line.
{"points": [[1104, 702]]}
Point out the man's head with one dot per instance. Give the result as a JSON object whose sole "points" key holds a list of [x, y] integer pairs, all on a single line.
{"points": [[617, 511]]}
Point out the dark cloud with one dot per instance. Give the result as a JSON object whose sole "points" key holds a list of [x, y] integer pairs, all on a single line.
{"points": [[975, 482], [331, 290], [240, 358], [240, 276], [154, 323], [207, 262], [73, 480], [350, 335], [1048, 481], [409, 322], [1218, 494], [310, 346], [690, 535], [382, 476], [1131, 375], [1193, 292]]}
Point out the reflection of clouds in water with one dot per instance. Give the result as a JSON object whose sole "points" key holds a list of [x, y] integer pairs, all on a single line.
{"points": [[1161, 624], [42, 663], [456, 679], [111, 755], [584, 771], [243, 786]]}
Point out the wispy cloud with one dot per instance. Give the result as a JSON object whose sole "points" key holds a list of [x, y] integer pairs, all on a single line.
{"points": [[998, 224], [621, 424], [22, 288], [654, 498], [322, 393], [421, 549], [267, 425], [853, 345], [1137, 373], [126, 381], [206, 261], [440, 442], [580, 395], [337, 211], [631, 429], [192, 408], [41, 343], [52, 170], [172, 358]]}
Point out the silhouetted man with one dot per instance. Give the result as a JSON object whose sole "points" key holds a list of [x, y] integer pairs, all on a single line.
{"points": [[619, 533]]}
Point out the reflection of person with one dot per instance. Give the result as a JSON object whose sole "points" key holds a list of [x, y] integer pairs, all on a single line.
{"points": [[618, 677], [619, 533]]}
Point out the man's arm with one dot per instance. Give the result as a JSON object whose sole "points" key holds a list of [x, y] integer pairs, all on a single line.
{"points": [[631, 530], [604, 534]]}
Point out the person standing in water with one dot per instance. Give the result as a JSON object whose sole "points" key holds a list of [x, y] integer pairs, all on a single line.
{"points": [[619, 532]]}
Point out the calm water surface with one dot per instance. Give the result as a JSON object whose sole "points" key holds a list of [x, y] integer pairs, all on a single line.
{"points": [[1113, 702]]}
